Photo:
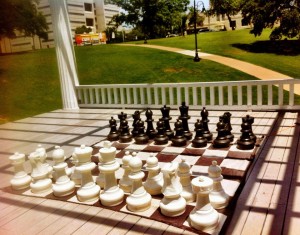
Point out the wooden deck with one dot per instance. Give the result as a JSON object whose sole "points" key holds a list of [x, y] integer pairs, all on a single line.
{"points": [[268, 204]]}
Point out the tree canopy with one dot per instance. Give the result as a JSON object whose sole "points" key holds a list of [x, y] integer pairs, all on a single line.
{"points": [[153, 17], [22, 15], [282, 15]]}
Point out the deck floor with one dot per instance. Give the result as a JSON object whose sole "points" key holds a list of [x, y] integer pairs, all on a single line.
{"points": [[268, 203]]}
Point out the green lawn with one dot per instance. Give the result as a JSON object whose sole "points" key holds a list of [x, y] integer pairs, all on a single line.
{"points": [[29, 82]]}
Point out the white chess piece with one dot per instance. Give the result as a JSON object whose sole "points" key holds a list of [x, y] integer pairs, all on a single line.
{"points": [[43, 155], [100, 178], [21, 179], [184, 173], [203, 217], [89, 190], [218, 197], [172, 204], [63, 185], [40, 174], [139, 199], [154, 181], [125, 183], [111, 195]]}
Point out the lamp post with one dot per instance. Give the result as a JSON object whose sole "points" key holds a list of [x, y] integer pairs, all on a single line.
{"points": [[196, 58]]}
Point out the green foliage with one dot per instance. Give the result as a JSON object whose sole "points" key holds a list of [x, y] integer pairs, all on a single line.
{"points": [[284, 15], [22, 15], [154, 17], [83, 29]]}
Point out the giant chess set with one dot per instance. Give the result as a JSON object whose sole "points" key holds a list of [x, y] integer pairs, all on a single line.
{"points": [[175, 176]]}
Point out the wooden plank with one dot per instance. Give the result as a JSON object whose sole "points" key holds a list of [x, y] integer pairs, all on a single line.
{"points": [[140, 227], [124, 225], [157, 228]]}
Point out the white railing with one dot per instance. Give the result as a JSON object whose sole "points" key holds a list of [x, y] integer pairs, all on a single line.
{"points": [[237, 95]]}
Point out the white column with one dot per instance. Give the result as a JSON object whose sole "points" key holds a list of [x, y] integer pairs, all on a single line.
{"points": [[65, 53]]}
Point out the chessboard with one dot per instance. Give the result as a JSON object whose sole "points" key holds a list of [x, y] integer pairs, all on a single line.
{"points": [[235, 164]]}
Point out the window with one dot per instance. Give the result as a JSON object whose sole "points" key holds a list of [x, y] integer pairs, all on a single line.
{"points": [[245, 22], [88, 7], [89, 22]]}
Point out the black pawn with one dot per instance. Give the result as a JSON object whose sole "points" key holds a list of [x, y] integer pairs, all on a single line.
{"points": [[206, 133], [150, 131], [250, 120], [141, 137], [184, 117], [166, 118], [113, 134], [179, 139], [121, 116], [160, 138], [125, 135], [199, 141], [221, 141], [136, 116], [228, 128], [245, 142]]}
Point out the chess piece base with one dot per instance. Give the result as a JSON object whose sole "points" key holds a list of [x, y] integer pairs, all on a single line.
{"points": [[154, 185], [221, 143], [199, 142], [218, 200], [41, 185], [139, 202], [62, 190], [143, 139], [88, 193], [208, 136], [205, 221], [113, 137], [179, 142], [161, 140], [172, 207], [125, 139], [112, 197], [19, 183], [245, 145]]}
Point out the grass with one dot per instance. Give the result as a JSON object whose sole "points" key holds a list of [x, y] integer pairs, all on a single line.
{"points": [[29, 82]]}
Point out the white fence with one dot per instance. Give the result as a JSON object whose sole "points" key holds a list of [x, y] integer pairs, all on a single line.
{"points": [[239, 95]]}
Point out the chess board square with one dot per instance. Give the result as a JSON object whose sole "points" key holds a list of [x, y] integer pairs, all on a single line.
{"points": [[199, 170], [144, 155], [190, 150], [230, 186], [135, 147], [221, 153], [207, 161], [234, 167], [164, 157], [154, 148], [147, 213], [234, 152], [173, 150], [121, 146], [189, 159]]}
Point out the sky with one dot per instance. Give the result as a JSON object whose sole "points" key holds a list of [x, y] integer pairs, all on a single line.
{"points": [[204, 1]]}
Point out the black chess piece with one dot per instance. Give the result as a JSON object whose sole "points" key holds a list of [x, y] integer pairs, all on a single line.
{"points": [[221, 141], [250, 120], [150, 131], [199, 141], [166, 118], [136, 116], [113, 134], [204, 118], [245, 142], [179, 139], [121, 116], [161, 138], [141, 137], [184, 117], [228, 128], [125, 135]]}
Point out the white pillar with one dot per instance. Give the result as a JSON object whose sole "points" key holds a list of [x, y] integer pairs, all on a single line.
{"points": [[65, 53]]}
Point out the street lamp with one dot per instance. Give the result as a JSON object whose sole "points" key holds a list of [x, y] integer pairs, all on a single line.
{"points": [[196, 58]]}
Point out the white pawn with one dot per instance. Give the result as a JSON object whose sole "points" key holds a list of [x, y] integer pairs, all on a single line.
{"points": [[139, 199], [40, 174], [154, 181], [125, 183], [63, 185], [89, 190], [203, 217], [112, 195], [218, 197], [184, 173], [21, 179], [172, 204], [100, 178], [43, 154]]}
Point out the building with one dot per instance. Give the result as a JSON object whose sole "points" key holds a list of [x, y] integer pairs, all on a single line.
{"points": [[95, 14]]}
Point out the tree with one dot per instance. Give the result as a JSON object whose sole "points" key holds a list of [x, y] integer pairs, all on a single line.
{"points": [[199, 17], [153, 17], [23, 16], [284, 15], [225, 7], [83, 29]]}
